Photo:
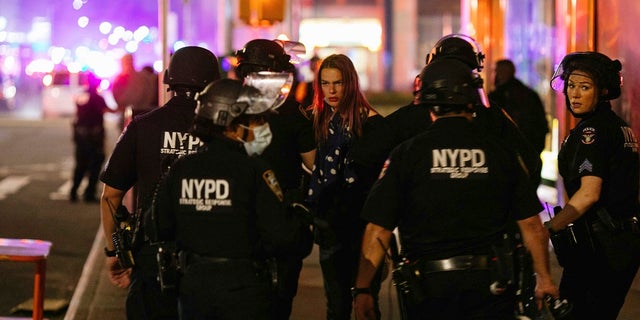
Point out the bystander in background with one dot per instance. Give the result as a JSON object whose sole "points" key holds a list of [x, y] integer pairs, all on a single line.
{"points": [[523, 105], [133, 89], [88, 139]]}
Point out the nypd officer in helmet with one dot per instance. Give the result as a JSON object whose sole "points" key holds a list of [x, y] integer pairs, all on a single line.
{"points": [[451, 191], [291, 147], [141, 155], [224, 208]]}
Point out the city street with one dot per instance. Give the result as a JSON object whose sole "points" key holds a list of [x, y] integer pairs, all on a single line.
{"points": [[35, 167]]}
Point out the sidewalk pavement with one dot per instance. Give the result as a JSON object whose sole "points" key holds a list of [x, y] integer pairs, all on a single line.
{"points": [[95, 298]]}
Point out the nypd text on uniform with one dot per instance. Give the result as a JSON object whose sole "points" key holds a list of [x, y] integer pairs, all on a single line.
{"points": [[459, 162], [179, 143], [205, 192]]}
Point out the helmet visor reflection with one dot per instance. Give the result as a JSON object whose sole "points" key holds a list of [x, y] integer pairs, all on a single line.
{"points": [[273, 88]]}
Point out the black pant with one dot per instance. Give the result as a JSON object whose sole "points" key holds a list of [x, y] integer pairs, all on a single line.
{"points": [[339, 264], [597, 284], [462, 295], [88, 157], [224, 291], [145, 300], [288, 273]]}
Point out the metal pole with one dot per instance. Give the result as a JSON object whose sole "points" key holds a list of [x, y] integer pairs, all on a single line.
{"points": [[163, 9]]}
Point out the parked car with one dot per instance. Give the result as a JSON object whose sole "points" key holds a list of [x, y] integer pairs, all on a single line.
{"points": [[59, 93]]}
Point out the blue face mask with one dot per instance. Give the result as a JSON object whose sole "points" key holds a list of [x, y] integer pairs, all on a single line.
{"points": [[261, 139]]}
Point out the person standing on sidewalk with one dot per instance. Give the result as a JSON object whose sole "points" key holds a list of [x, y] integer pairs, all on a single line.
{"points": [[524, 106], [144, 151], [599, 165], [291, 147], [225, 232], [347, 163], [88, 139], [452, 192]]}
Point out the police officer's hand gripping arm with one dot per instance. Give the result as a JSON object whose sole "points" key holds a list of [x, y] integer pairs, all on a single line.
{"points": [[110, 200], [375, 239]]}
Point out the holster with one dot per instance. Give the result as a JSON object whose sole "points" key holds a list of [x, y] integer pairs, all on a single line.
{"points": [[408, 280], [168, 266], [502, 266], [574, 243], [615, 241]]}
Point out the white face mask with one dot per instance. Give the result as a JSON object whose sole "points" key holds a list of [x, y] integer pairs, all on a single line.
{"points": [[261, 139]]}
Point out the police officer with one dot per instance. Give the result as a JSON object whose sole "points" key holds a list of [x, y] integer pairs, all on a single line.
{"points": [[598, 162], [292, 146], [451, 191], [88, 138], [144, 150], [225, 209], [493, 119]]}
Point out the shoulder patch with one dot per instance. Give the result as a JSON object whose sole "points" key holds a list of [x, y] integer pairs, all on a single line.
{"points": [[588, 135], [270, 178], [585, 166]]}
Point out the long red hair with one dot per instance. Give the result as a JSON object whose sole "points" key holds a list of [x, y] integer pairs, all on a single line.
{"points": [[353, 107]]}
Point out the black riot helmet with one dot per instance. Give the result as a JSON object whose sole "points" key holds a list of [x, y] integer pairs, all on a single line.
{"points": [[263, 55], [224, 100], [458, 46], [604, 72], [450, 85], [191, 67]]}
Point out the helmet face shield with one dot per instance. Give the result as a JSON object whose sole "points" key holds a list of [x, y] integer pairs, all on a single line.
{"points": [[268, 90], [604, 72], [296, 50]]}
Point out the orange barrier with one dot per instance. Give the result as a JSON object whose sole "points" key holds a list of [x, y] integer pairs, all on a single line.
{"points": [[28, 250]]}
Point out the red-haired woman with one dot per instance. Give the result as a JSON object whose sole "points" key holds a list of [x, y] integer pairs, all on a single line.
{"points": [[348, 159]]}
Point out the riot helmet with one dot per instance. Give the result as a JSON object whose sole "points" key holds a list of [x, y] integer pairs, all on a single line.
{"points": [[604, 72], [450, 85], [224, 100], [191, 67], [458, 46], [263, 55]]}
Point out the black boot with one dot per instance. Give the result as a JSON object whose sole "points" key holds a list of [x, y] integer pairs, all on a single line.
{"points": [[73, 194]]}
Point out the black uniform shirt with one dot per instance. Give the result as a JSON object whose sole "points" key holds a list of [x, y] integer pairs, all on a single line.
{"points": [[408, 121], [496, 122], [292, 135], [603, 145], [450, 191], [90, 109], [524, 106], [148, 145], [220, 202]]}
